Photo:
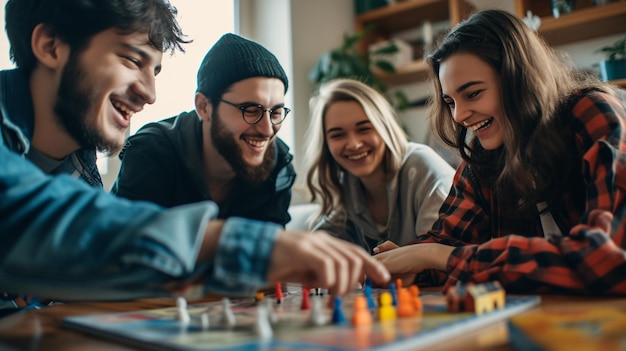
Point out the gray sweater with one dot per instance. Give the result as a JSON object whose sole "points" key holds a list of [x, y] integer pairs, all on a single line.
{"points": [[414, 195]]}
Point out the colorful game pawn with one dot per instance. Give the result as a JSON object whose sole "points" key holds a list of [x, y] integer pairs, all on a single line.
{"points": [[386, 311], [306, 303], [317, 317], [279, 293], [405, 304], [259, 296], [228, 316], [414, 292], [273, 317], [394, 294], [362, 315], [338, 317], [262, 325], [204, 321], [368, 291], [181, 311]]}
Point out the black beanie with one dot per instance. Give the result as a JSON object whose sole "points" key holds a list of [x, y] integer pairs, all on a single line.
{"points": [[233, 59]]}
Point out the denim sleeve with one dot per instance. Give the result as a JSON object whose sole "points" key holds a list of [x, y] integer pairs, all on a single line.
{"points": [[63, 239], [243, 256]]}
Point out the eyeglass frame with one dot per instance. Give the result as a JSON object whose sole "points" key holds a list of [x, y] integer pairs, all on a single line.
{"points": [[243, 107]]}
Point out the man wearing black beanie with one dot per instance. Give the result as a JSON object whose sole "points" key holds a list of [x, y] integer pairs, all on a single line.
{"points": [[226, 150]]}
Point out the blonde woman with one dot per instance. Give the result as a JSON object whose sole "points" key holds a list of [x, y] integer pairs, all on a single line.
{"points": [[373, 185]]}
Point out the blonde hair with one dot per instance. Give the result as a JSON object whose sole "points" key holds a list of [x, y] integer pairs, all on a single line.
{"points": [[324, 175]]}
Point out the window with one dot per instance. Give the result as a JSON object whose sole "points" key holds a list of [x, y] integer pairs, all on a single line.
{"points": [[204, 22]]}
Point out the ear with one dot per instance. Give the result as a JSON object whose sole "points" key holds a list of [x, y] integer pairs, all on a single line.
{"points": [[47, 48], [204, 108]]}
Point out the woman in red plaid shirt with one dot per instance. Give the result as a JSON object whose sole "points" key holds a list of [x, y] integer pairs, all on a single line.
{"points": [[539, 201]]}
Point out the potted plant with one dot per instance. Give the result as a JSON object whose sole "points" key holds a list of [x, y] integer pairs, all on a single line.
{"points": [[348, 62], [614, 66]]}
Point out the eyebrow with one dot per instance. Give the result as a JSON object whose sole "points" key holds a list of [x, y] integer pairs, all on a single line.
{"points": [[248, 103], [464, 87], [367, 121], [143, 54]]}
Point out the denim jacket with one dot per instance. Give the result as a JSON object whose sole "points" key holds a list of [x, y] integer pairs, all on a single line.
{"points": [[64, 239]]}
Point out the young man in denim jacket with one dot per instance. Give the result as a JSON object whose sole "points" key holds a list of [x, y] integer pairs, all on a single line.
{"points": [[84, 68]]}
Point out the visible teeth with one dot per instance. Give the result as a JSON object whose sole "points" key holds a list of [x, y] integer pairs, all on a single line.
{"points": [[475, 127], [123, 108], [256, 143], [357, 156]]}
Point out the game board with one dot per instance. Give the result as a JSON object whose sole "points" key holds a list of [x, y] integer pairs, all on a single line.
{"points": [[159, 329]]}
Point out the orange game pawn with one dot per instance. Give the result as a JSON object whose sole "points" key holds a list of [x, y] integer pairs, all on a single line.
{"points": [[362, 315], [405, 305], [414, 293]]}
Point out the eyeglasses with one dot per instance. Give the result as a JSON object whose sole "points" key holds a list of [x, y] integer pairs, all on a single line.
{"points": [[252, 113]]}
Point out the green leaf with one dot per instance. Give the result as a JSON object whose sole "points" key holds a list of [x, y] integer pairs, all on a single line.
{"points": [[385, 66]]}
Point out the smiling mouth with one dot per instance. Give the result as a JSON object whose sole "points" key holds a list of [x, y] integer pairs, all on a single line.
{"points": [[357, 156], [480, 125], [124, 110], [258, 143]]}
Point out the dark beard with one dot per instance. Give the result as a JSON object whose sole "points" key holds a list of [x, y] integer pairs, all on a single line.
{"points": [[226, 145], [72, 106]]}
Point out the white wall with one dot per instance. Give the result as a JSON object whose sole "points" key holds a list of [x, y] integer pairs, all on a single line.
{"points": [[307, 29]]}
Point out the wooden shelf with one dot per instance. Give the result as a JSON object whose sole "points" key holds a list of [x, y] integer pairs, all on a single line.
{"points": [[415, 71], [584, 23], [409, 14]]}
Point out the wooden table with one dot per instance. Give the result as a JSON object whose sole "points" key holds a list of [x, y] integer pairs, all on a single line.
{"points": [[41, 329]]}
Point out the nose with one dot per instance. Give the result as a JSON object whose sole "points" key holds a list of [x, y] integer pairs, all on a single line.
{"points": [[265, 124], [460, 112], [145, 88], [354, 142]]}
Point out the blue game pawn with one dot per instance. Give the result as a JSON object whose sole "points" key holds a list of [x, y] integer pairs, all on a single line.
{"points": [[394, 294], [367, 291], [338, 317]]}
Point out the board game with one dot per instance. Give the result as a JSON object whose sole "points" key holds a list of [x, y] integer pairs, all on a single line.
{"points": [[160, 329]]}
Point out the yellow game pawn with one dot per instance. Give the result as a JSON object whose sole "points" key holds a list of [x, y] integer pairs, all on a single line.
{"points": [[362, 315], [386, 311]]}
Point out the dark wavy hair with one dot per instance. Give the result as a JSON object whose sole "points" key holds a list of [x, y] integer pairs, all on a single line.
{"points": [[538, 89], [76, 21]]}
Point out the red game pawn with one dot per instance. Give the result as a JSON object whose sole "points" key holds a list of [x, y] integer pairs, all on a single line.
{"points": [[279, 293], [306, 303]]}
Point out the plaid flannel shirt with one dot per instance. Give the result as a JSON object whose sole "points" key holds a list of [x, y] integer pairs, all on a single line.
{"points": [[492, 246]]}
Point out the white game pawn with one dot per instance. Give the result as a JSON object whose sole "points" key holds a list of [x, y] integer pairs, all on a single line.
{"points": [[273, 317], [262, 325], [317, 317], [228, 317], [181, 313], [204, 321]]}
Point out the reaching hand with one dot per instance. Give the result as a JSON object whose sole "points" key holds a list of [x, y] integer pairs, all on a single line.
{"points": [[406, 261], [598, 219], [320, 260], [386, 246]]}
